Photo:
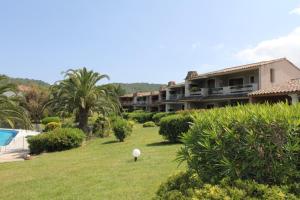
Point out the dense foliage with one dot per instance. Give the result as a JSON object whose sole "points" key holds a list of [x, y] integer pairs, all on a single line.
{"points": [[188, 186], [11, 113], [102, 127], [254, 142], [158, 116], [121, 128], [149, 124], [140, 116], [48, 120], [80, 94], [138, 87], [51, 126], [57, 140], [174, 126]]}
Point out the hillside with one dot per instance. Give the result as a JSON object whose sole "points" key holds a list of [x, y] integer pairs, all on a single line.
{"points": [[139, 87], [26, 81]]}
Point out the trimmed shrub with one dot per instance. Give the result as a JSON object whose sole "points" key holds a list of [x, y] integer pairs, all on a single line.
{"points": [[51, 126], [188, 186], [102, 127], [174, 126], [57, 140], [47, 120], [121, 129], [131, 123], [149, 124], [140, 116], [158, 116], [255, 142]]}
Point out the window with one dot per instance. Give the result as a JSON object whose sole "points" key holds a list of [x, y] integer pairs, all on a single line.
{"points": [[272, 75], [252, 79], [236, 81]]}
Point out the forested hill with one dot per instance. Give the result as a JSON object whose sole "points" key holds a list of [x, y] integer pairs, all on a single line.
{"points": [[126, 87], [26, 81], [139, 87]]}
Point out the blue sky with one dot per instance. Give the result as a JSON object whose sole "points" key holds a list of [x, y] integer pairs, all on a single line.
{"points": [[143, 40]]}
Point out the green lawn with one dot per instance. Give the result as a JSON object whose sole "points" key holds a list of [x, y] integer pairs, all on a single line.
{"points": [[101, 169]]}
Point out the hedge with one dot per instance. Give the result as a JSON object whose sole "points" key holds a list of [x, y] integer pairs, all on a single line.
{"points": [[158, 116], [256, 142], [47, 120], [51, 126], [57, 140], [174, 126], [140, 116], [149, 124], [188, 186]]}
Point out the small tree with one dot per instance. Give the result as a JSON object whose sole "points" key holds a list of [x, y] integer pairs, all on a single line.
{"points": [[121, 129]]}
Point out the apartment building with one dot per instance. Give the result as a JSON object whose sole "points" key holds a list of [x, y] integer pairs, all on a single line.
{"points": [[273, 81]]}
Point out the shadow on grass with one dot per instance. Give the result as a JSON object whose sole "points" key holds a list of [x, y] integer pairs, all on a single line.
{"points": [[111, 142], [163, 143]]}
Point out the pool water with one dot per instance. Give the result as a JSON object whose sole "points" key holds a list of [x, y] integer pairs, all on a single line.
{"points": [[6, 136]]}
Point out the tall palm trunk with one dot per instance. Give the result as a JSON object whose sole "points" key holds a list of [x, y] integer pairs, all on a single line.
{"points": [[83, 119]]}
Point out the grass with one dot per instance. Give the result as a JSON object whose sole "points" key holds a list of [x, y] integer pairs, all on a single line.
{"points": [[101, 169]]}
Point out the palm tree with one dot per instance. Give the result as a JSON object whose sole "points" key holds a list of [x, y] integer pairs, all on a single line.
{"points": [[78, 93], [11, 113]]}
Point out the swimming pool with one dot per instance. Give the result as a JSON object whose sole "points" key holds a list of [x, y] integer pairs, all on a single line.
{"points": [[6, 136]]}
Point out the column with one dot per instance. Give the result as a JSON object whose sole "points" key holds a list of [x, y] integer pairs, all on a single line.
{"points": [[295, 98]]}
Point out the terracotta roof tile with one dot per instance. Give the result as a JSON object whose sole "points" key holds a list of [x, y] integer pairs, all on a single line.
{"points": [[292, 86]]}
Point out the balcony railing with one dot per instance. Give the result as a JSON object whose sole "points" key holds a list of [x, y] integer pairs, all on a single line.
{"points": [[141, 102], [175, 96], [237, 89], [126, 102]]}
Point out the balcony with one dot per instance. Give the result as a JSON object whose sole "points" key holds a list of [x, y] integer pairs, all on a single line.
{"points": [[228, 90], [126, 103], [141, 103], [175, 96]]}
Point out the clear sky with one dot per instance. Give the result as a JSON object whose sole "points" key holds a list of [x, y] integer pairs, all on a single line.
{"points": [[143, 40]]}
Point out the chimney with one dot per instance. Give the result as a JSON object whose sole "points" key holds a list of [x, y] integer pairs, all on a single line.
{"points": [[191, 74], [171, 83]]}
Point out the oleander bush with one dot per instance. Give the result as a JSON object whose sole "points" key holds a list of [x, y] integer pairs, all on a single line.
{"points": [[102, 127], [47, 120], [149, 124], [51, 126], [121, 128], [249, 142], [188, 186], [174, 126], [57, 140], [158, 116], [140, 116]]}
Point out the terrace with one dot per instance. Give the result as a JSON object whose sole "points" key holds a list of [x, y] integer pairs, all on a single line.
{"points": [[241, 83]]}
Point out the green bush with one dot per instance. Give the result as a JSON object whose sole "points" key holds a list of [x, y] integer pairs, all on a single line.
{"points": [[121, 129], [57, 140], [179, 186], [102, 127], [149, 124], [253, 142], [51, 126], [172, 127], [140, 116], [188, 186], [47, 120], [158, 116]]}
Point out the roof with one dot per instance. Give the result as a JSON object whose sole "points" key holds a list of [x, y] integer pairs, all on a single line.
{"points": [[126, 96], [292, 86], [237, 68], [177, 85]]}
